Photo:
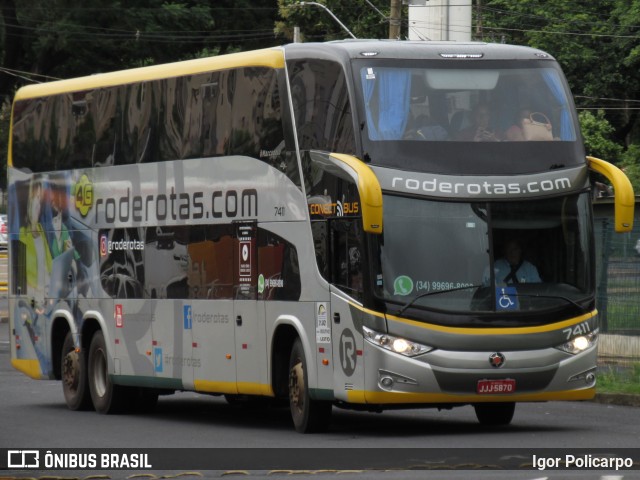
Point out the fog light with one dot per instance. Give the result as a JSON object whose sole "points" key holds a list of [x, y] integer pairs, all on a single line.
{"points": [[588, 376], [386, 383]]}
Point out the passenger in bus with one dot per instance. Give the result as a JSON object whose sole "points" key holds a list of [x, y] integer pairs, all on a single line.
{"points": [[480, 130], [512, 268], [515, 133], [423, 128]]}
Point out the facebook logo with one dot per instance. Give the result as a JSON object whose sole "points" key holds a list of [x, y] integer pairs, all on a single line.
{"points": [[187, 317], [157, 360]]}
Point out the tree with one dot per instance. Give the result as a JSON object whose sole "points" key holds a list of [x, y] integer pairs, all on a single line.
{"points": [[597, 133], [69, 38], [317, 25], [44, 40]]}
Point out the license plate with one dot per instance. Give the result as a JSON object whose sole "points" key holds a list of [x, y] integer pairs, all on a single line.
{"points": [[496, 387]]}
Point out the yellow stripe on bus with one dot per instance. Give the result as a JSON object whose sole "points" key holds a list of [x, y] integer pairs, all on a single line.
{"points": [[269, 57], [360, 396], [29, 367], [498, 330], [484, 330]]}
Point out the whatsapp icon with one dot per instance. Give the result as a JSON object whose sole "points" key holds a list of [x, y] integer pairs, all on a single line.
{"points": [[402, 285]]}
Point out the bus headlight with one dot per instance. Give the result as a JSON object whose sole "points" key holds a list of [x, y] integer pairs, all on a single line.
{"points": [[394, 344], [579, 344]]}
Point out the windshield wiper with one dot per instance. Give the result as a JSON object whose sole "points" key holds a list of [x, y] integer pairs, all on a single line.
{"points": [[567, 299], [427, 294]]}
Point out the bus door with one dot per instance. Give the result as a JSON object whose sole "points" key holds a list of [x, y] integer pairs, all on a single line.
{"points": [[345, 247], [250, 341]]}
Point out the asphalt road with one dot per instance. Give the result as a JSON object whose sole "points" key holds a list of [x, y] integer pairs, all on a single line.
{"points": [[33, 415], [234, 439]]}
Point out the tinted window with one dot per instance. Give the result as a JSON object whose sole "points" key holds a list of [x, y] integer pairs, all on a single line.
{"points": [[278, 268], [198, 262], [231, 112], [321, 106]]}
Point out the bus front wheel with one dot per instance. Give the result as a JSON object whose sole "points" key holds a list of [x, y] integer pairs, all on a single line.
{"points": [[74, 376], [106, 397], [494, 414], [308, 415]]}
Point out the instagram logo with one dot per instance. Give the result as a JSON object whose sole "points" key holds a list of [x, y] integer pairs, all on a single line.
{"points": [[103, 245]]}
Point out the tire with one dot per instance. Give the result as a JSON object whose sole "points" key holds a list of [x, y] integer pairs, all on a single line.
{"points": [[73, 370], [106, 397], [308, 415], [495, 414]]}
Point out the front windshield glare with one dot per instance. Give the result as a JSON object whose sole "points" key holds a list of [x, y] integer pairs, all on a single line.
{"points": [[457, 104], [491, 257]]}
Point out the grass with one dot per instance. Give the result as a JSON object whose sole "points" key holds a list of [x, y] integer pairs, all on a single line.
{"points": [[616, 379]]}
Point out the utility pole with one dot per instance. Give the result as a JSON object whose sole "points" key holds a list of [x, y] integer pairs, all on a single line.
{"points": [[394, 19], [479, 20]]}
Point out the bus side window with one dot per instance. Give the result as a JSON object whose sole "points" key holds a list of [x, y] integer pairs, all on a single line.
{"points": [[320, 243], [346, 252], [278, 265], [322, 107]]}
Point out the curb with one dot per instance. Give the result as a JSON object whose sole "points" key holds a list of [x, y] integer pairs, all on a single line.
{"points": [[623, 399]]}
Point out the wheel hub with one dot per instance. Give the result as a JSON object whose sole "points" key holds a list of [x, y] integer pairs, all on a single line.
{"points": [[296, 385], [71, 369]]}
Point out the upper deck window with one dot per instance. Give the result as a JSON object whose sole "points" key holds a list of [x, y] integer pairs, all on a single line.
{"points": [[461, 104], [466, 117]]}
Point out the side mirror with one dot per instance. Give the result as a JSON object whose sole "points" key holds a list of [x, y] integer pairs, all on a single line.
{"points": [[623, 193]]}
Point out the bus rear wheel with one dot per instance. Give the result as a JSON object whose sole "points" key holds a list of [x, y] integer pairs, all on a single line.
{"points": [[495, 414], [106, 397], [74, 376], [308, 415]]}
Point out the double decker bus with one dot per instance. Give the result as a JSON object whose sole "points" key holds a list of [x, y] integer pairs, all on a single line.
{"points": [[359, 224]]}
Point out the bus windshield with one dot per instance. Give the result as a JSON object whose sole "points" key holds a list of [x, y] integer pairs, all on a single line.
{"points": [[455, 256], [519, 107]]}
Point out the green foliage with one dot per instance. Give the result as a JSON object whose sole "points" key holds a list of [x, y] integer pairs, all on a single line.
{"points": [[69, 38], [619, 380], [631, 166], [597, 133]]}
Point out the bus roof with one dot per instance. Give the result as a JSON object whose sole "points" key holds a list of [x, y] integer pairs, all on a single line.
{"points": [[270, 57], [353, 49], [274, 57]]}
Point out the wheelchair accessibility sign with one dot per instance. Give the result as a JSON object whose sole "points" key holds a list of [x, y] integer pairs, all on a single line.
{"points": [[506, 298]]}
